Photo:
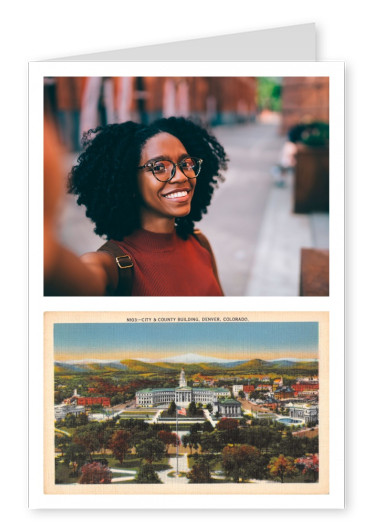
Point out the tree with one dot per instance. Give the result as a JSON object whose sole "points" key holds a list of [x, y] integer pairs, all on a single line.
{"points": [[70, 420], [120, 444], [167, 437], [75, 454], [172, 409], [227, 424], [192, 440], [309, 464], [95, 473], [241, 394], [151, 450], [228, 430], [206, 426], [282, 467], [199, 473], [82, 419], [147, 474], [242, 462], [192, 409], [210, 442], [87, 436], [62, 441]]}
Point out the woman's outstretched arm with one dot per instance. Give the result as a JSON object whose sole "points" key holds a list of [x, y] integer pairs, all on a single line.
{"points": [[64, 272]]}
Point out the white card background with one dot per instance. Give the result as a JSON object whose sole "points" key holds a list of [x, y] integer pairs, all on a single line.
{"points": [[38, 33]]}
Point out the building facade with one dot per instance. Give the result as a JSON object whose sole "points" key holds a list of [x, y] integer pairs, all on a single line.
{"points": [[306, 412], [229, 408], [62, 410], [182, 395]]}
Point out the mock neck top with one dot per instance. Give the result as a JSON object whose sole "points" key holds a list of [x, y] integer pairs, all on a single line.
{"points": [[166, 265]]}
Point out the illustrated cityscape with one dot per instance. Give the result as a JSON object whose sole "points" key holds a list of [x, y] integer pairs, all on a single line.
{"points": [[179, 403]]}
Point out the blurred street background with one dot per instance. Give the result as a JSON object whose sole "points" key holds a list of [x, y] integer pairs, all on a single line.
{"points": [[269, 220]]}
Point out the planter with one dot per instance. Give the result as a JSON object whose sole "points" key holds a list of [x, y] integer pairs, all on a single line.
{"points": [[311, 185]]}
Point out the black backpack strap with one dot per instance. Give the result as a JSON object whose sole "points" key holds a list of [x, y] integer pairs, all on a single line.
{"points": [[125, 267], [204, 242]]}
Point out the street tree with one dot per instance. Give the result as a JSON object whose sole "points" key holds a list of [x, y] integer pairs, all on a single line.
{"points": [[62, 441], [192, 440], [228, 431], [147, 474], [167, 437], [89, 437], [192, 409], [76, 455], [242, 462], [199, 473], [309, 465], [172, 409], [120, 444], [95, 473], [282, 467], [151, 450]]}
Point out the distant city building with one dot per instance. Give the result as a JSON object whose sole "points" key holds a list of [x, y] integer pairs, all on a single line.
{"points": [[248, 389], [182, 395], [229, 408], [93, 401], [284, 392], [62, 410], [306, 412], [304, 100], [236, 389], [264, 387], [277, 382], [306, 387]]}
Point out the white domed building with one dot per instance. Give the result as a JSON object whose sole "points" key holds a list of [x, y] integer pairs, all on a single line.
{"points": [[182, 395]]}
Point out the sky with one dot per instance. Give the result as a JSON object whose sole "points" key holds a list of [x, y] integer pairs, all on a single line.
{"points": [[232, 341]]}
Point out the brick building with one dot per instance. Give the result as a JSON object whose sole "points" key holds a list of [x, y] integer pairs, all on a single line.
{"points": [[216, 100], [304, 99], [93, 401]]}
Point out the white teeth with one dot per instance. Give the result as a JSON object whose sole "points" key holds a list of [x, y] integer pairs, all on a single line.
{"points": [[177, 194]]}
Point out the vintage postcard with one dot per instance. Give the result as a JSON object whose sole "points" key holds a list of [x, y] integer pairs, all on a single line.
{"points": [[186, 403]]}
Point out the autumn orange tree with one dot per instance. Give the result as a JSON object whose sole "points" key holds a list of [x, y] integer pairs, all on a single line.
{"points": [[282, 467]]}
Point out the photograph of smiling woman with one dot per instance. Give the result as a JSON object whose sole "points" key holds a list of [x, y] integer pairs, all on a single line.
{"points": [[144, 187]]}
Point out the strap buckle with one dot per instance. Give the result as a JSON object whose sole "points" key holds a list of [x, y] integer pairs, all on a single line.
{"points": [[127, 265]]}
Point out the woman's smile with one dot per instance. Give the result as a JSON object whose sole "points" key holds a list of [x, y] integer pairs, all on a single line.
{"points": [[179, 195]]}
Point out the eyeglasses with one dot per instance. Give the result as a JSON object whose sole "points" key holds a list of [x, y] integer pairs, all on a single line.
{"points": [[165, 170]]}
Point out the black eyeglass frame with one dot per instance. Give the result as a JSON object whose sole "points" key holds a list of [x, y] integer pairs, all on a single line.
{"points": [[150, 166]]}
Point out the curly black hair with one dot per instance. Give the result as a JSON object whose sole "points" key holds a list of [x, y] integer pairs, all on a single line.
{"points": [[105, 176]]}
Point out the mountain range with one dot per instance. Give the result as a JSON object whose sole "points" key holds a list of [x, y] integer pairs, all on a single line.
{"points": [[191, 362]]}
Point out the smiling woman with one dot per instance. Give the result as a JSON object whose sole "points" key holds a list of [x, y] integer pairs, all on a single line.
{"points": [[144, 187]]}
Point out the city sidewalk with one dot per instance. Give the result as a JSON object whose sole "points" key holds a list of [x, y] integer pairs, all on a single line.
{"points": [[276, 266], [256, 237]]}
